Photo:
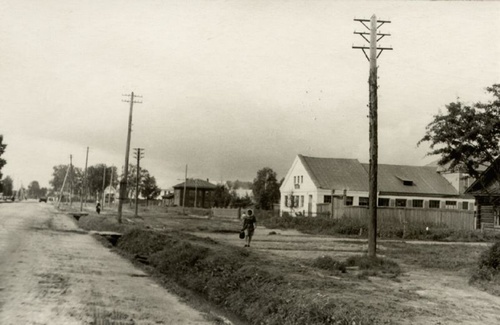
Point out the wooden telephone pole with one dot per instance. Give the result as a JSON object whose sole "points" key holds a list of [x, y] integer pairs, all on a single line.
{"points": [[123, 182], [373, 115], [84, 183], [139, 154]]}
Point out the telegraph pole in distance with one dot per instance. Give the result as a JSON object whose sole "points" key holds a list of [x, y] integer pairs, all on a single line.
{"points": [[372, 81], [103, 187], [70, 180], [123, 182], [184, 195], [84, 183], [139, 154]]}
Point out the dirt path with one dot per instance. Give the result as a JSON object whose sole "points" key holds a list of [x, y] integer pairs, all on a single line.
{"points": [[52, 273]]}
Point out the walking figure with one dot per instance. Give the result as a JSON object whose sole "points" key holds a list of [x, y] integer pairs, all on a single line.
{"points": [[98, 207], [249, 225]]}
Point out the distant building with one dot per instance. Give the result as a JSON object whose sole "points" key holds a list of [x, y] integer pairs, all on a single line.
{"points": [[198, 192]]}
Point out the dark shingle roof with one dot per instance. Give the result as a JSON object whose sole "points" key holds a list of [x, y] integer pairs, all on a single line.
{"points": [[196, 183], [424, 180], [334, 173], [350, 174]]}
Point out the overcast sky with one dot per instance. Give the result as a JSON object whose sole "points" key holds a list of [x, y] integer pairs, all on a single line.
{"points": [[230, 87]]}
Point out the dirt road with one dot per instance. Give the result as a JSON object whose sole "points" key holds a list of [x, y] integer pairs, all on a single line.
{"points": [[53, 273]]}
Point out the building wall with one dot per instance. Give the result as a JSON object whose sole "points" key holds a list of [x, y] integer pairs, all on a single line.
{"points": [[298, 184]]}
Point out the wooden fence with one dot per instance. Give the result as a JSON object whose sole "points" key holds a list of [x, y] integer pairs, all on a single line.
{"points": [[455, 219], [223, 213]]}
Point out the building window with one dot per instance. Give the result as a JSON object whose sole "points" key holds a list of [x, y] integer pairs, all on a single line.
{"points": [[383, 202], [400, 203], [286, 200], [434, 204], [450, 204], [349, 200], [327, 199], [295, 179], [302, 179], [465, 205], [363, 201], [417, 203], [302, 200]]}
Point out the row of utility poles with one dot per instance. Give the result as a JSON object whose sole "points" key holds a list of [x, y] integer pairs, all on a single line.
{"points": [[372, 37]]}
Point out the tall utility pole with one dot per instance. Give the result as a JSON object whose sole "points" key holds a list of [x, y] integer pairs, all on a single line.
{"points": [[139, 154], [184, 195], [70, 180], [103, 187], [375, 52], [62, 187], [111, 185], [123, 182], [195, 191], [84, 183]]}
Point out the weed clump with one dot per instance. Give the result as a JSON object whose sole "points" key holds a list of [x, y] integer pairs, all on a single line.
{"points": [[487, 273], [374, 266], [329, 264]]}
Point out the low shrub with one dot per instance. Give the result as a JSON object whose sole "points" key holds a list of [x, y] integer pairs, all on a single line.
{"points": [[328, 263], [374, 266], [487, 273]]}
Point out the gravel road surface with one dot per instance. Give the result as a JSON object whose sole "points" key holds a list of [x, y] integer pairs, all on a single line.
{"points": [[53, 273]]}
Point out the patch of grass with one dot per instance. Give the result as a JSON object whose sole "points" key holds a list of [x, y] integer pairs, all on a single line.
{"points": [[442, 257], [329, 264], [487, 273], [103, 223], [376, 266]]}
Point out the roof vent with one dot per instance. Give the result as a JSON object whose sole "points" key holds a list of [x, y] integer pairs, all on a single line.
{"points": [[406, 182]]}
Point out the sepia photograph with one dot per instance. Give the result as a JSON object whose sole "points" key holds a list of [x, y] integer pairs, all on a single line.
{"points": [[249, 162]]}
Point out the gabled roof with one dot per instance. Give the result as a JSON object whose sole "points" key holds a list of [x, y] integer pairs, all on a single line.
{"points": [[488, 182], [196, 183], [411, 180], [335, 173]]}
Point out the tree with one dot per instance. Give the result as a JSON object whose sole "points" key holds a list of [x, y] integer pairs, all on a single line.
{"points": [[34, 190], [149, 189], [266, 189], [75, 176], [2, 150], [131, 179], [95, 177], [7, 186], [466, 136], [221, 196]]}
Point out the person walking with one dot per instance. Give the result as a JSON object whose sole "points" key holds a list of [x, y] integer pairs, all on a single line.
{"points": [[249, 225], [98, 207]]}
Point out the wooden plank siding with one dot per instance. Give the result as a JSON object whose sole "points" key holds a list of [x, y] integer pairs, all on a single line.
{"points": [[451, 218]]}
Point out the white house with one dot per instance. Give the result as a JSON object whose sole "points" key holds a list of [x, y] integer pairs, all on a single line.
{"points": [[313, 182]]}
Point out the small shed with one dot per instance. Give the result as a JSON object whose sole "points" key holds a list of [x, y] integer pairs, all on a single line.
{"points": [[199, 193], [486, 191]]}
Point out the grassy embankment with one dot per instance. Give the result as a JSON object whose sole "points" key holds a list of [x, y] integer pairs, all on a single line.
{"points": [[250, 284]]}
